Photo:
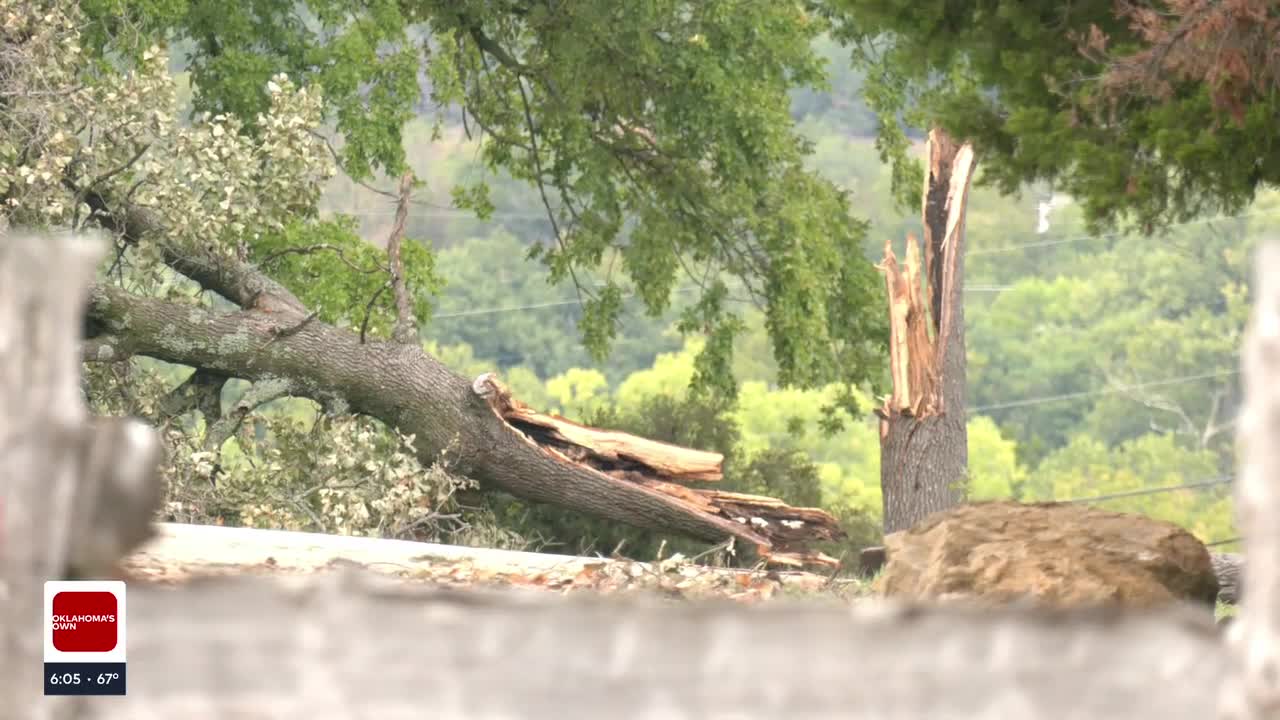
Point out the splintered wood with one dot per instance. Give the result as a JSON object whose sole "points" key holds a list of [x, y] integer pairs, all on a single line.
{"points": [[777, 530], [921, 313], [913, 362], [617, 453]]}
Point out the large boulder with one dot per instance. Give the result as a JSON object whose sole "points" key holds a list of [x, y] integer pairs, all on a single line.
{"points": [[1054, 553]]}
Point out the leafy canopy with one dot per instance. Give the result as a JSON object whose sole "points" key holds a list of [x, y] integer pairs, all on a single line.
{"points": [[1047, 92], [658, 135]]}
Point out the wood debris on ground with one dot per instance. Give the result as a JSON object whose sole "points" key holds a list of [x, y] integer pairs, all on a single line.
{"points": [[675, 578]]}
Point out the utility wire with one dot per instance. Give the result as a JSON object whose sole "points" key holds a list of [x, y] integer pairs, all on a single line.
{"points": [[1078, 238], [444, 213], [515, 215], [1198, 485], [1103, 391], [1024, 402], [575, 301], [500, 310]]}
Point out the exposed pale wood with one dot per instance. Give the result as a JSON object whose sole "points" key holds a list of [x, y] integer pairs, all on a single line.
{"points": [[923, 435], [777, 531], [1254, 689], [945, 294], [922, 363], [912, 357], [622, 450], [899, 296]]}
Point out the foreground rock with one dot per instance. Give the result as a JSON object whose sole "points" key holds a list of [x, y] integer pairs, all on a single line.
{"points": [[1056, 554]]}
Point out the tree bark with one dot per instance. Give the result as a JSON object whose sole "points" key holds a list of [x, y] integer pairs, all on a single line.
{"points": [[406, 328], [476, 426], [923, 438]]}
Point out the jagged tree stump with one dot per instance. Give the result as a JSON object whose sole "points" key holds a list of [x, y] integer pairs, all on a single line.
{"points": [[924, 452]]}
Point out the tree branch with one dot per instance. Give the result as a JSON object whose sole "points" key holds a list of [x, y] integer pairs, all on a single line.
{"points": [[309, 249], [491, 47], [237, 281], [407, 388], [201, 392], [406, 330], [219, 431]]}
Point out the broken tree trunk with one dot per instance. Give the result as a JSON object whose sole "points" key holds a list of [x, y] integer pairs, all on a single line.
{"points": [[274, 339], [923, 439]]}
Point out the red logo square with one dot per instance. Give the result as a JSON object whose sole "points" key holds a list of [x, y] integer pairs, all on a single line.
{"points": [[84, 621]]}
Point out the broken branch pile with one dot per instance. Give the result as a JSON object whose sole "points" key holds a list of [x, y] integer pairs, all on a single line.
{"points": [[776, 530]]}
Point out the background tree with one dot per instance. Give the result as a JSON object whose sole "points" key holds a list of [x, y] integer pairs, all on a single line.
{"points": [[1138, 110], [642, 179], [1039, 305]]}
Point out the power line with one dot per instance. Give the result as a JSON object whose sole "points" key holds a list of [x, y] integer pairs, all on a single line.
{"points": [[499, 310], [1200, 484], [533, 216], [1078, 238], [1024, 402], [444, 213], [534, 306], [575, 301], [1103, 391]]}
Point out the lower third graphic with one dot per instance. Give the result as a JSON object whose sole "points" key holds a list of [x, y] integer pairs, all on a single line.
{"points": [[84, 632]]}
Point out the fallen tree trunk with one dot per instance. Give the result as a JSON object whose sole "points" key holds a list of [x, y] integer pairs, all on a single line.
{"points": [[488, 436]]}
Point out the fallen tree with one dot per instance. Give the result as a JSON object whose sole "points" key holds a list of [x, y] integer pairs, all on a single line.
{"points": [[251, 645], [274, 340], [230, 201]]}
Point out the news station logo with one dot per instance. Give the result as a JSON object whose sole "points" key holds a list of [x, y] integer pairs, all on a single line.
{"points": [[84, 637]]}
